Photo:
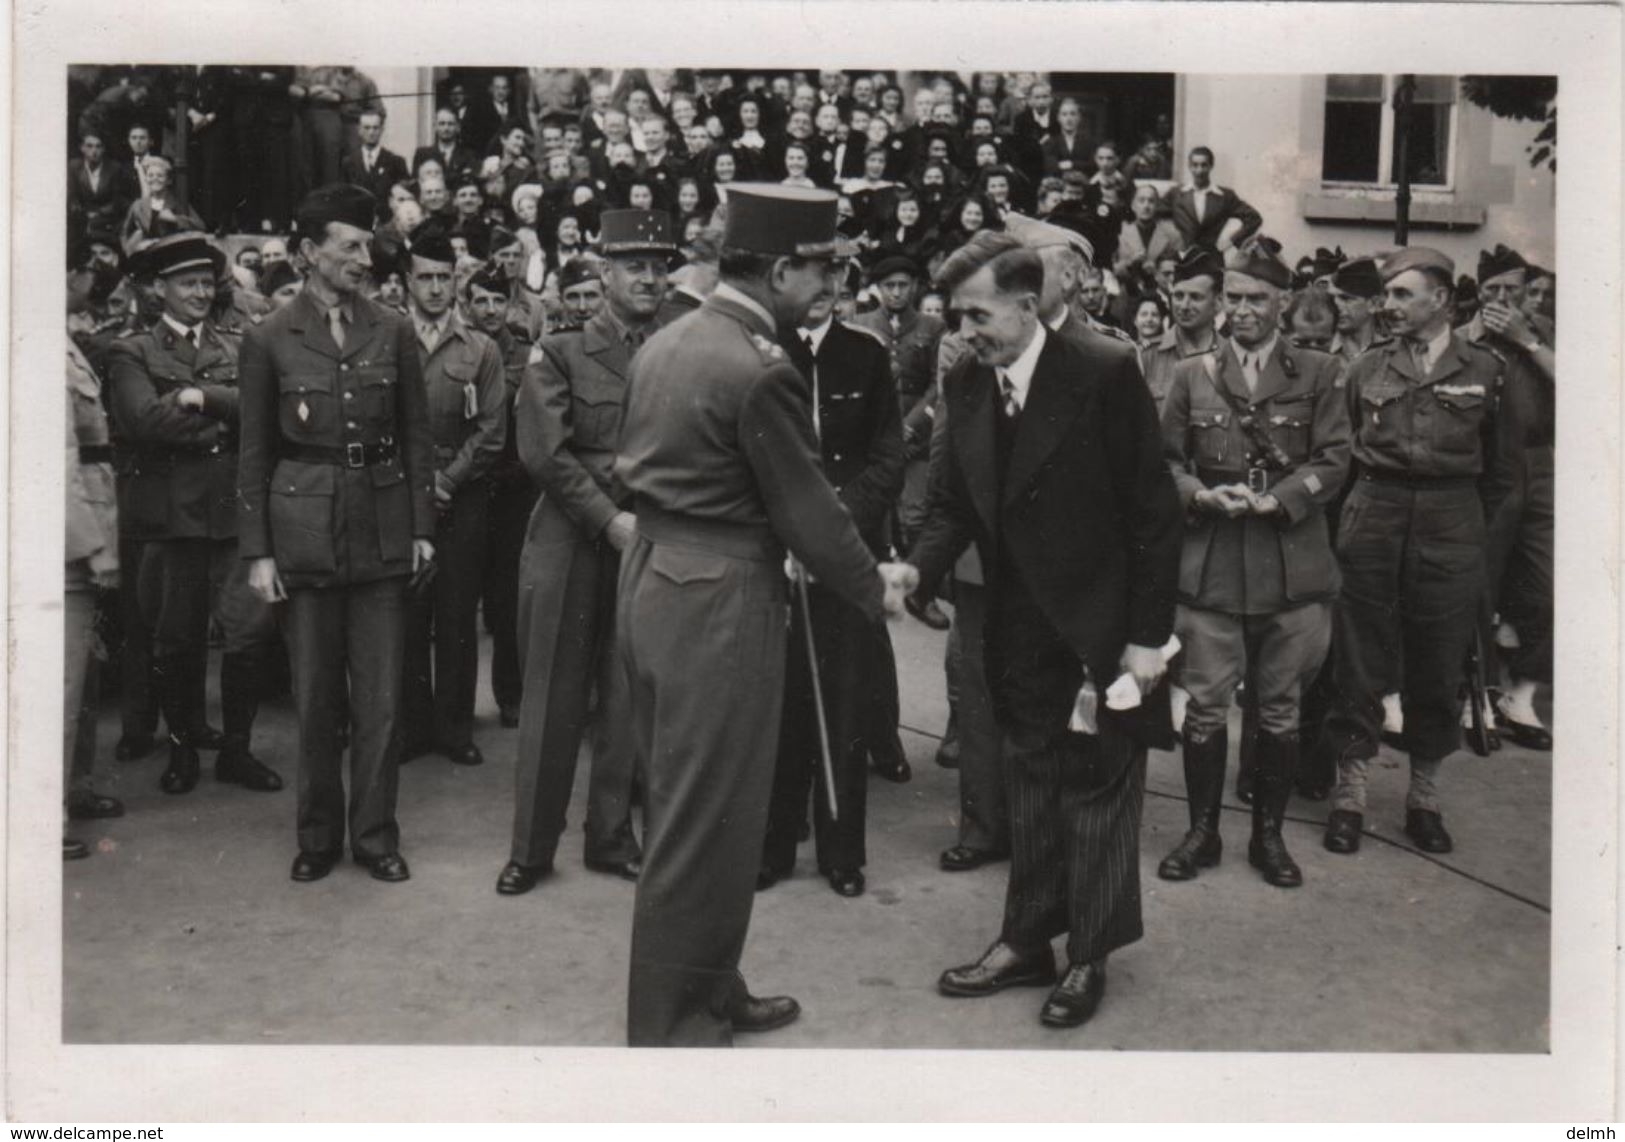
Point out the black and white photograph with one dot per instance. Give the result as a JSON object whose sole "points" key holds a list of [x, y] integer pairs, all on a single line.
{"points": [[965, 570]]}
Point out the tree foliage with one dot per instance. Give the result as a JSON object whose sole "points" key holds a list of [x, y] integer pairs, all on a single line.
{"points": [[1525, 98]]}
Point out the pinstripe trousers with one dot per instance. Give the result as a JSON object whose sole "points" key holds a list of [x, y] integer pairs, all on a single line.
{"points": [[1074, 799]]}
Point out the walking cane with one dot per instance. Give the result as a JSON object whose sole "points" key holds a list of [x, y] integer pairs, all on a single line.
{"points": [[817, 689]]}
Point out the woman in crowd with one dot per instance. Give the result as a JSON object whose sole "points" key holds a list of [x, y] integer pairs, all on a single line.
{"points": [[158, 212], [968, 217], [751, 149], [905, 231], [796, 162]]}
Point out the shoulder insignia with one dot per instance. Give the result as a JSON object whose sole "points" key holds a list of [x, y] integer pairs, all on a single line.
{"points": [[769, 349]]}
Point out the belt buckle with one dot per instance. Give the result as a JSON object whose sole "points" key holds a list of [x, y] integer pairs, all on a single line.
{"points": [[1258, 480], [355, 455]]}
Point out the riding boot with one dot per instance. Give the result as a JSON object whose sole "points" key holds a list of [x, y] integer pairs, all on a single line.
{"points": [[1204, 789], [180, 693], [1277, 763]]}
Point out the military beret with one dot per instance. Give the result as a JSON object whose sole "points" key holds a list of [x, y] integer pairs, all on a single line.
{"points": [[894, 264], [1358, 277], [1036, 235], [577, 270], [766, 218], [431, 242], [1327, 261], [278, 275], [187, 250], [502, 238], [490, 278], [1261, 258], [1199, 261], [337, 202], [1501, 260], [1417, 258], [635, 232]]}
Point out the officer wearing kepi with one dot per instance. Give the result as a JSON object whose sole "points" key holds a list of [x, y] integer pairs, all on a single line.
{"points": [[1435, 459], [569, 419], [335, 516], [1257, 435], [175, 401], [717, 449]]}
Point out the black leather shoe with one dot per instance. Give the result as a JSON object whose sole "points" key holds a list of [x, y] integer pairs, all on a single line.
{"points": [[182, 774], [895, 770], [508, 716], [1077, 995], [1199, 849], [517, 879], [390, 867], [134, 747], [1525, 735], [313, 866], [1267, 853], [764, 1013], [929, 613], [466, 754], [1426, 828], [1343, 830], [963, 858], [1001, 966], [846, 881], [88, 806], [74, 850], [239, 767], [206, 737], [625, 869]]}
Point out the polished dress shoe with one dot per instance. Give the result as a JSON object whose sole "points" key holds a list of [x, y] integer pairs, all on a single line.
{"points": [[87, 806], [963, 858], [206, 737], [896, 770], [629, 869], [1001, 966], [1525, 735], [517, 879], [846, 881], [763, 1013], [466, 754], [928, 613], [239, 767], [74, 850], [1426, 828], [390, 867], [1343, 830], [182, 774], [134, 747], [1077, 995], [508, 716], [313, 866]]}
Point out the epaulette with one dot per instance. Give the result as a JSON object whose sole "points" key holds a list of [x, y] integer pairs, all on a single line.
{"points": [[769, 349]]}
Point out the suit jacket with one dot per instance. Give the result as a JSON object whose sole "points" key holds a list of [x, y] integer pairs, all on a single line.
{"points": [[484, 123], [329, 525], [463, 161], [1258, 564], [1089, 513], [1223, 204], [1132, 250], [107, 201], [386, 172], [1060, 158]]}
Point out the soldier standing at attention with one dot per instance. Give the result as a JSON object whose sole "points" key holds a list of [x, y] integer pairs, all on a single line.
{"points": [[1435, 459], [1257, 436], [175, 401], [468, 416], [335, 515], [717, 449], [569, 419]]}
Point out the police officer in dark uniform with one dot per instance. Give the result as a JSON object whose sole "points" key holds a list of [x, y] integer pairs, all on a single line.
{"points": [[468, 417], [175, 399], [513, 497], [1435, 458], [860, 442], [718, 451], [1257, 435], [569, 410], [336, 515]]}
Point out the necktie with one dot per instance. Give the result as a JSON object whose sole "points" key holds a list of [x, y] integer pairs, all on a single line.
{"points": [[1012, 406], [1249, 370], [812, 355], [335, 322], [1419, 354], [430, 335], [191, 338]]}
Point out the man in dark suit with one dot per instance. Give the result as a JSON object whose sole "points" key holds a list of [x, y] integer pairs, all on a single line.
{"points": [[372, 166], [98, 187], [1033, 125], [1066, 149], [860, 442], [1054, 471], [1207, 214], [456, 161], [492, 116], [335, 513]]}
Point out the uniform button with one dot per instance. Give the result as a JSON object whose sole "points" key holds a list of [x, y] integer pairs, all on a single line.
{"points": [[349, 396], [349, 424], [344, 367]]}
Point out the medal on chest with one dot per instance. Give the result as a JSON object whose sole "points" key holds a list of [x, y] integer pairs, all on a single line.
{"points": [[303, 412]]}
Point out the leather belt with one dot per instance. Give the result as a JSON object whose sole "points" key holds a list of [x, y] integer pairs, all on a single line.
{"points": [[1257, 479], [352, 455], [95, 453], [1407, 480], [751, 541]]}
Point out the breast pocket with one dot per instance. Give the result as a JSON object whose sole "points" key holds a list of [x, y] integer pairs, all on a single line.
{"points": [[309, 409], [1290, 422], [595, 409], [301, 517], [378, 383], [1210, 436], [1460, 418]]}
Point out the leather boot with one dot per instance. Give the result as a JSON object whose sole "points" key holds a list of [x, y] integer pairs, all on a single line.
{"points": [[1204, 788], [1247, 754], [1277, 762], [239, 702], [177, 676]]}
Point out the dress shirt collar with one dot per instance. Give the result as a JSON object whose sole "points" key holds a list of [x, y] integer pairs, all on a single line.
{"points": [[740, 298], [815, 336], [1259, 353], [1436, 347], [186, 331], [1020, 371]]}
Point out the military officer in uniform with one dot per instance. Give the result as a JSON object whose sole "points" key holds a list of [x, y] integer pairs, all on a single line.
{"points": [[718, 452], [569, 410], [336, 515], [1435, 457], [1356, 293], [175, 398], [860, 442], [513, 497], [1257, 435], [1194, 303], [468, 417]]}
